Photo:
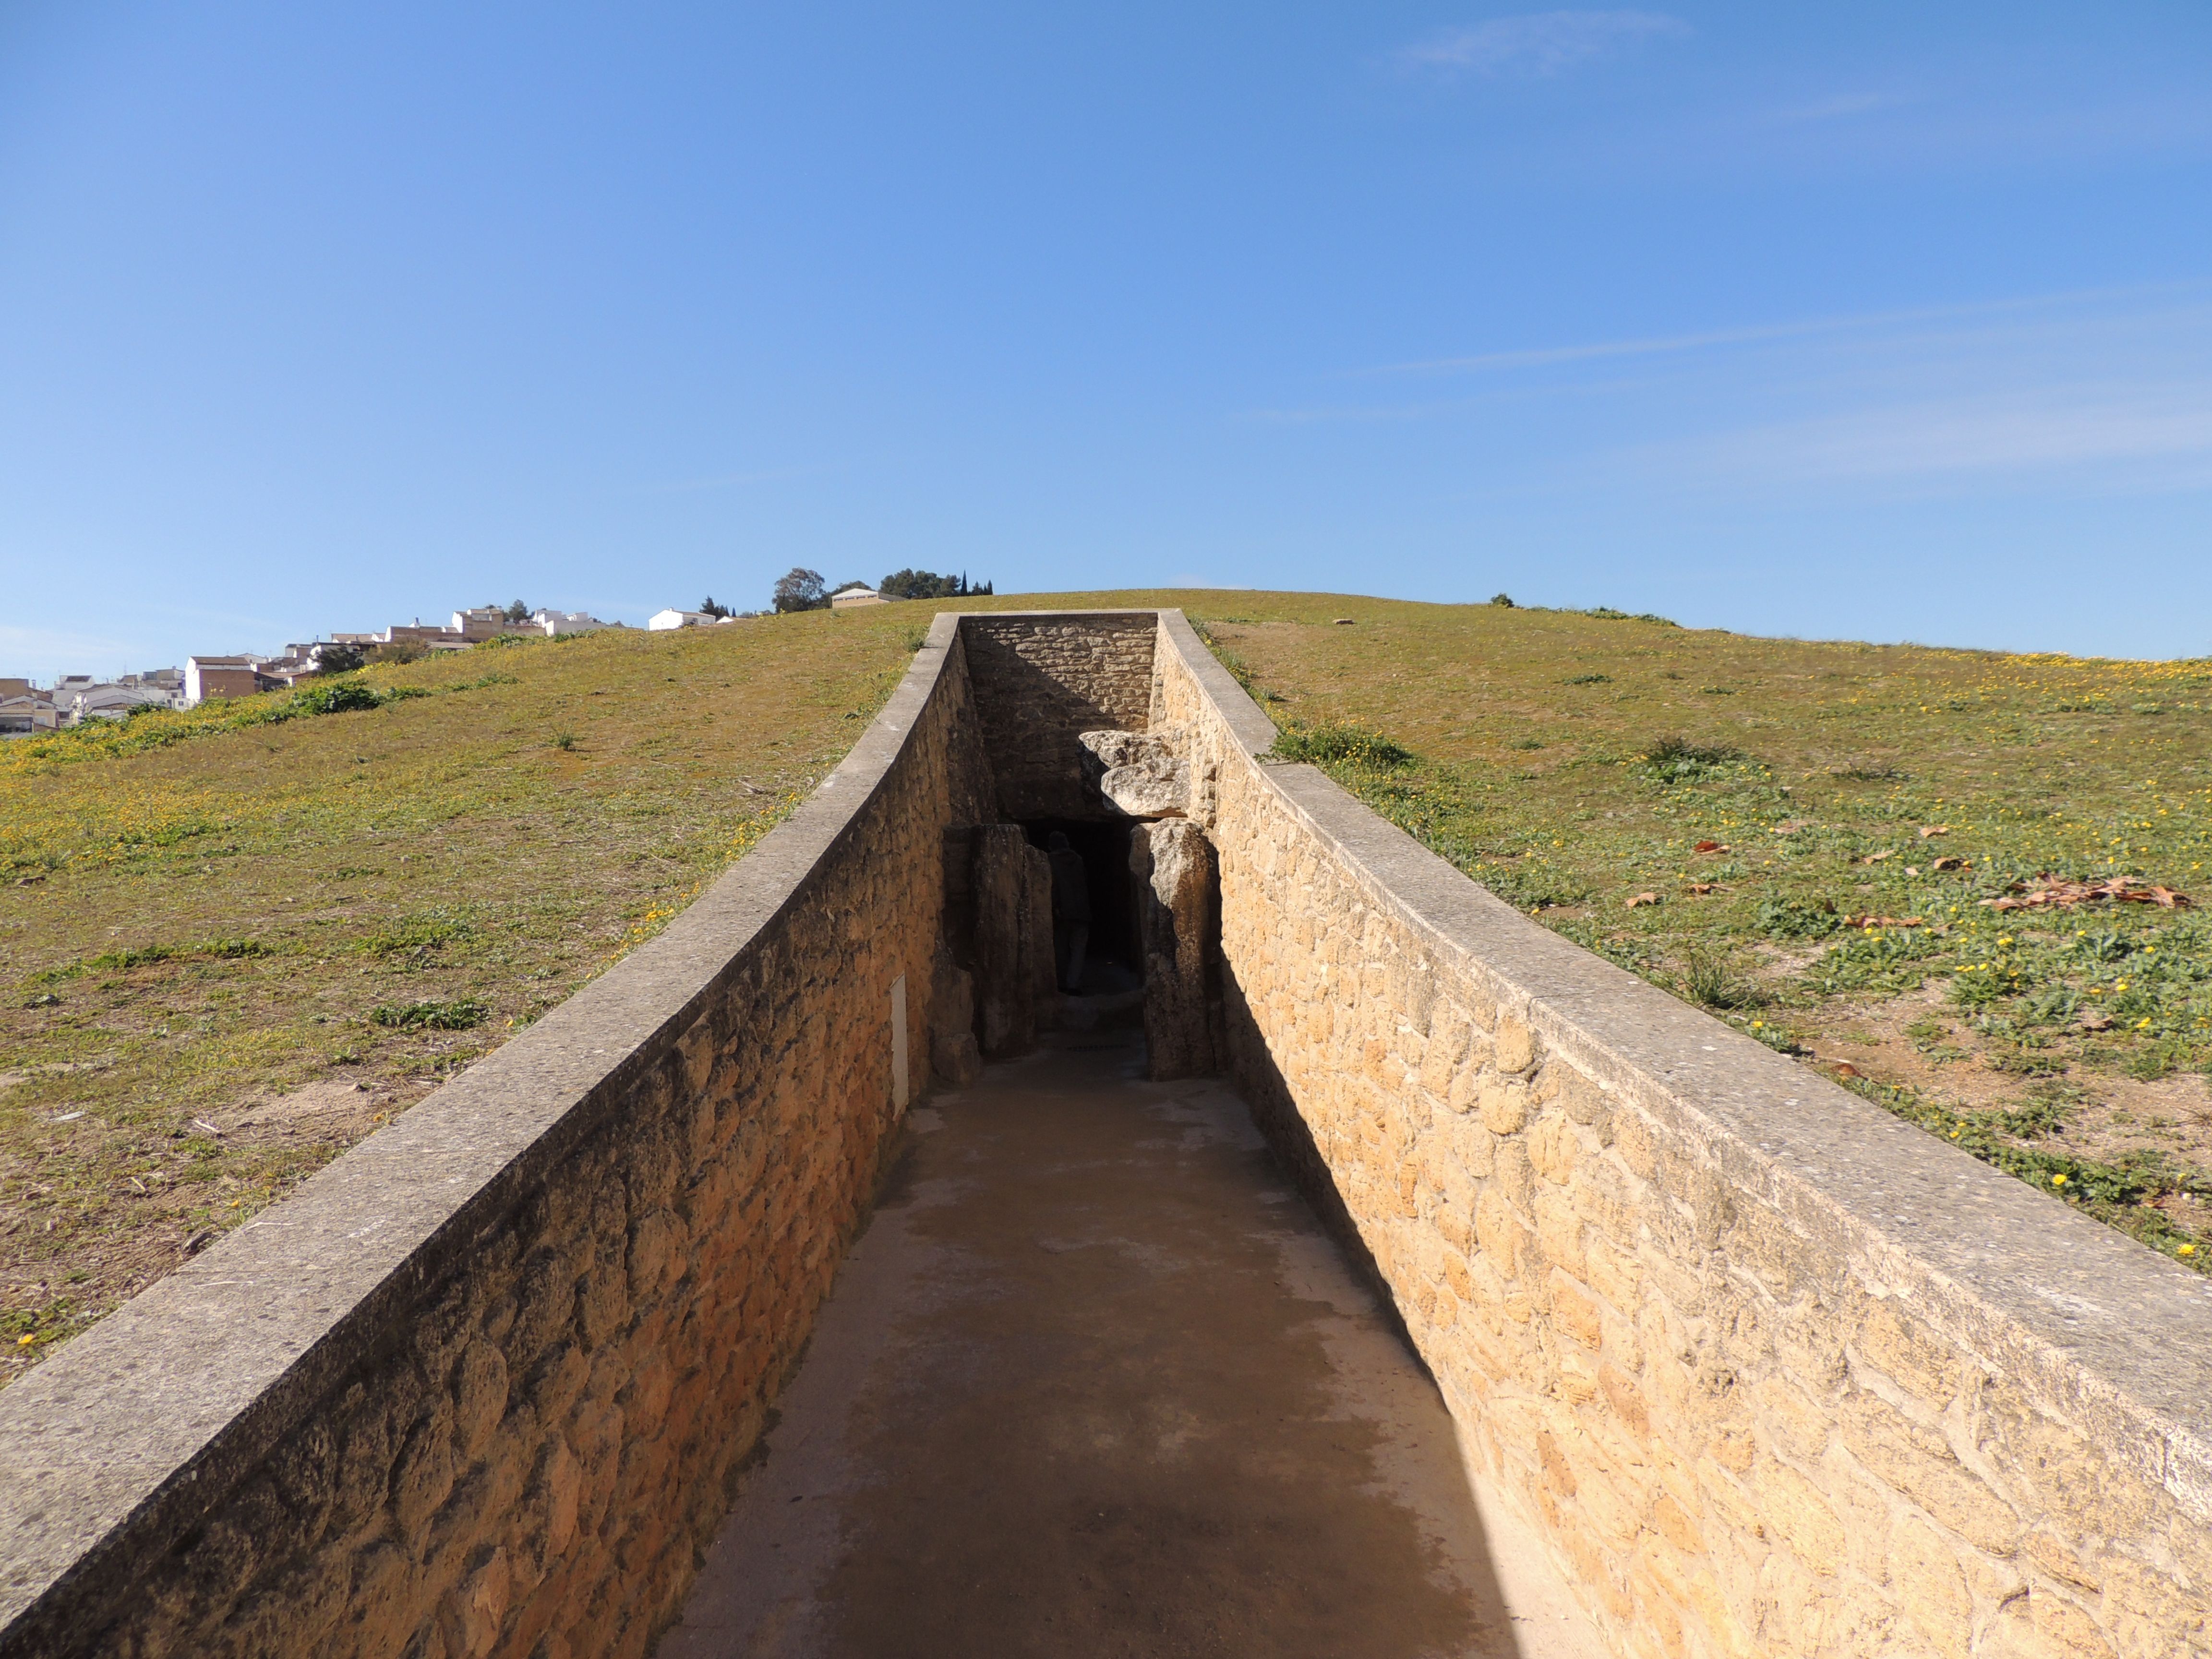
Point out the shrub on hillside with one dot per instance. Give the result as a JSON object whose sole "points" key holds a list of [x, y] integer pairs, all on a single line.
{"points": [[335, 696], [1675, 759]]}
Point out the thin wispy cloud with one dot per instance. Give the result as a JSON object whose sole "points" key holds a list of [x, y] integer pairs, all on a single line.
{"points": [[1539, 43], [2098, 394], [1840, 107], [2139, 434], [1545, 356], [1747, 334]]}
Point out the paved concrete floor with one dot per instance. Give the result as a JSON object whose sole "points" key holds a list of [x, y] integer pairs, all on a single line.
{"points": [[1095, 1381]]}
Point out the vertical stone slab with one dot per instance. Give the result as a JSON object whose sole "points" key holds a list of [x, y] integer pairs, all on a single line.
{"points": [[1036, 938], [953, 1055], [1173, 862], [1005, 997]]}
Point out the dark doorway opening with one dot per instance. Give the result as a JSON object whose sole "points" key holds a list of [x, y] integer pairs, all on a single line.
{"points": [[1114, 957]]}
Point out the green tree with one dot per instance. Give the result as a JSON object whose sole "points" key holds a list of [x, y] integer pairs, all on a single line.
{"points": [[927, 585], [801, 589]]}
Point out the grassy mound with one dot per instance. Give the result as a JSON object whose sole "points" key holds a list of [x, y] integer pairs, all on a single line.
{"points": [[1838, 849], [236, 939]]}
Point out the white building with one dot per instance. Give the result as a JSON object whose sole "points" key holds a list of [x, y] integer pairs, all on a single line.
{"points": [[485, 622], [567, 622], [853, 598], [221, 676], [662, 620], [24, 713], [112, 703], [168, 681]]}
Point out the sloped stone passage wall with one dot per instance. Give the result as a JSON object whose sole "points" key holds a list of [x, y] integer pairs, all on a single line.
{"points": [[481, 1386], [1777, 1373]]}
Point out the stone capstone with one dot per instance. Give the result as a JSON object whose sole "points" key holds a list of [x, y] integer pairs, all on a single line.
{"points": [[1139, 773]]}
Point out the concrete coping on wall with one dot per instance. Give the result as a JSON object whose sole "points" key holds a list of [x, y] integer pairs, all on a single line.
{"points": [[2115, 1336], [147, 1420]]}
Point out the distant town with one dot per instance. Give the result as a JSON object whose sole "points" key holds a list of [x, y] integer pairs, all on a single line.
{"points": [[28, 708]]}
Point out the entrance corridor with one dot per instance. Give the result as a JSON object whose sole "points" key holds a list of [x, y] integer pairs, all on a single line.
{"points": [[1095, 1381]]}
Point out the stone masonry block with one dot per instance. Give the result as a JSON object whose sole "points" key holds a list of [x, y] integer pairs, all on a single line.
{"points": [[1793, 1509], [1515, 1044], [1894, 1449], [1886, 1338], [1553, 1148]]}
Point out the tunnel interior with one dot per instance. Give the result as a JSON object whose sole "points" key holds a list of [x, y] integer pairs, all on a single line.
{"points": [[1114, 954]]}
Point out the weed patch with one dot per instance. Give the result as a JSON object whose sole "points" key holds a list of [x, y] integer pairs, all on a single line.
{"points": [[1710, 983], [1340, 742], [461, 1015], [415, 936], [1675, 759]]}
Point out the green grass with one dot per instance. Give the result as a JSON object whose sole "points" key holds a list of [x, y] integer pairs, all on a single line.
{"points": [[1576, 761], [236, 939]]}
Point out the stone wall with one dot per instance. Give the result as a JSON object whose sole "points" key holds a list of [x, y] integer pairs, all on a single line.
{"points": [[1774, 1372], [483, 1385], [1041, 678]]}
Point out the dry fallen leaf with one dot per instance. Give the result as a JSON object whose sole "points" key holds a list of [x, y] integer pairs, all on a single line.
{"points": [[2096, 1022], [1876, 858], [1791, 826], [1927, 830], [1710, 846], [1912, 869], [1702, 887], [1882, 922], [1950, 864], [1844, 1068], [1643, 898], [2048, 892]]}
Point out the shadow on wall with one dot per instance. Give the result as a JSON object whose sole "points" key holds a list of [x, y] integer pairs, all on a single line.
{"points": [[1040, 680]]}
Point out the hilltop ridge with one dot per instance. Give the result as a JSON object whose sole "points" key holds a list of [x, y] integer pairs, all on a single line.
{"points": [[238, 939]]}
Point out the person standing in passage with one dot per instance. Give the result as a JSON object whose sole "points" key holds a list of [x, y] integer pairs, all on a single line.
{"points": [[1071, 910]]}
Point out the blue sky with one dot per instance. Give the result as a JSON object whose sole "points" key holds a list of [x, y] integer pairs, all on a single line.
{"points": [[1886, 321]]}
